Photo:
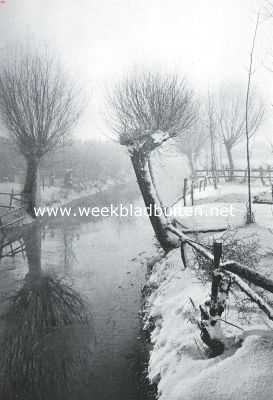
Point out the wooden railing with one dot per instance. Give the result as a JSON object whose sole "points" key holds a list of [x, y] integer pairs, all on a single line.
{"points": [[12, 248], [190, 188], [264, 174], [15, 214]]}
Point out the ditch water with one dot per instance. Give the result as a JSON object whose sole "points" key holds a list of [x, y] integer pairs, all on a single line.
{"points": [[100, 259]]}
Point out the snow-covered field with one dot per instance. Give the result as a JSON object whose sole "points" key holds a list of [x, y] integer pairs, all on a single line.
{"points": [[179, 363]]}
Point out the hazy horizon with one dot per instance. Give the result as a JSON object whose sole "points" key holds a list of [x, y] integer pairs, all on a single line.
{"points": [[208, 41]]}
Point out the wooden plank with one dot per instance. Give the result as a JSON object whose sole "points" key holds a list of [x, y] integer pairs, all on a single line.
{"points": [[8, 193], [13, 211], [11, 197], [12, 222]]}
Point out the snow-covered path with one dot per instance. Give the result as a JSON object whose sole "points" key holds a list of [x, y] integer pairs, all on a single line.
{"points": [[222, 208]]}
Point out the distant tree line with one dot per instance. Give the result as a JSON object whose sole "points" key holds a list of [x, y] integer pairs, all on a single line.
{"points": [[89, 160], [40, 108]]}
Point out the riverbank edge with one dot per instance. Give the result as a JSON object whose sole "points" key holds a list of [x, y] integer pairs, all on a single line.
{"points": [[14, 232], [148, 390]]}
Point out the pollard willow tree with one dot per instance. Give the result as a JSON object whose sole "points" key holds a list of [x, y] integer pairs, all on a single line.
{"points": [[191, 144], [232, 119], [39, 106], [147, 110]]}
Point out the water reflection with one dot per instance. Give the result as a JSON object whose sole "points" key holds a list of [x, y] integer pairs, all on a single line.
{"points": [[70, 257], [47, 344], [96, 255]]}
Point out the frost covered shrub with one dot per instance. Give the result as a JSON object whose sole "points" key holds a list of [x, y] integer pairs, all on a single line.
{"points": [[245, 250]]}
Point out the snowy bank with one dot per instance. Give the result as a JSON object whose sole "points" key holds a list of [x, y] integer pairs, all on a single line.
{"points": [[178, 361]]}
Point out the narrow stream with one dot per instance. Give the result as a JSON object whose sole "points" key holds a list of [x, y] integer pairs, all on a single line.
{"points": [[101, 259]]}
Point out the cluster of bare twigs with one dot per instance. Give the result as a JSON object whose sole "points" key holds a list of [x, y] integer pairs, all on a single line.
{"points": [[149, 102], [46, 345], [38, 103]]}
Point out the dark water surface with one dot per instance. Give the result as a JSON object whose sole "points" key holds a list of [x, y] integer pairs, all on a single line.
{"points": [[96, 257]]}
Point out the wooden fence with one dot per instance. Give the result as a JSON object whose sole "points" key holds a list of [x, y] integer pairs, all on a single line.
{"points": [[11, 248], [190, 188], [227, 174], [14, 213], [224, 275], [203, 178]]}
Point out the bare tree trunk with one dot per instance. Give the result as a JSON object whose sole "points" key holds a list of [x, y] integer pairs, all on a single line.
{"points": [[250, 215], [30, 191], [212, 156], [230, 161], [159, 222], [191, 164]]}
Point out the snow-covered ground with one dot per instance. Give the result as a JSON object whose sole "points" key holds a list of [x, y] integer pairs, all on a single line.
{"points": [[179, 363], [222, 208]]}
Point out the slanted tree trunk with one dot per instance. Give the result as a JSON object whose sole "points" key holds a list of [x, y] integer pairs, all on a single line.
{"points": [[230, 160], [30, 191], [152, 175], [159, 222]]}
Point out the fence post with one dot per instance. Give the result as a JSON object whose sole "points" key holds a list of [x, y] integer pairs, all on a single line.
{"points": [[217, 253], [11, 197], [211, 312], [269, 173], [272, 191], [192, 193], [205, 182], [185, 191], [261, 172]]}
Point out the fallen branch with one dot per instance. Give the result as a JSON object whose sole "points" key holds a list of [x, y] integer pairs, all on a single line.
{"points": [[193, 231], [251, 294], [248, 274]]}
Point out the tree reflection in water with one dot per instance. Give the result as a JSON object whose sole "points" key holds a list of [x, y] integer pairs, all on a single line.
{"points": [[48, 340]]}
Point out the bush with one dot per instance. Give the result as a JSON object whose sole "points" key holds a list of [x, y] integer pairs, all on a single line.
{"points": [[244, 250]]}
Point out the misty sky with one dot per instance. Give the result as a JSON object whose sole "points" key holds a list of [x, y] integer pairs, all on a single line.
{"points": [[101, 40]]}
